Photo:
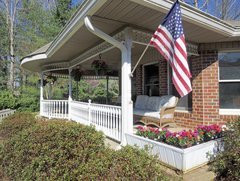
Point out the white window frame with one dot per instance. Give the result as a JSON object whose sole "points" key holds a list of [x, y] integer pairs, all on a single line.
{"points": [[143, 74], [221, 110], [178, 109]]}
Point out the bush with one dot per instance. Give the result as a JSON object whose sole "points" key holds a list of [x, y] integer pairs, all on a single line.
{"points": [[28, 100], [16, 123], [134, 164], [226, 164], [7, 100], [52, 150], [60, 150], [24, 99]]}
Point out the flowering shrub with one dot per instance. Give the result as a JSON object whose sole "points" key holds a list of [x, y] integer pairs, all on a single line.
{"points": [[182, 139]]}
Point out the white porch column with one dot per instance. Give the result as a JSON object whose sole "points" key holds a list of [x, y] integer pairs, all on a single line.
{"points": [[41, 95], [69, 92], [127, 105], [126, 91]]}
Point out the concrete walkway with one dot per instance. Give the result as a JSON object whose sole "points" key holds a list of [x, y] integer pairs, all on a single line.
{"points": [[199, 174], [112, 144]]}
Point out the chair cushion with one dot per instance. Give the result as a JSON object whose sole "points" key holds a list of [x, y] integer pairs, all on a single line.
{"points": [[164, 100], [152, 114], [153, 103], [171, 101], [146, 112], [141, 102]]}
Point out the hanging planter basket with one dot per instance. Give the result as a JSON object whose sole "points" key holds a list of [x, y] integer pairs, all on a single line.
{"points": [[99, 66], [77, 75]]}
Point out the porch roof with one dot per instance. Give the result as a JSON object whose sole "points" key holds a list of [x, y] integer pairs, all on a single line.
{"points": [[74, 42]]}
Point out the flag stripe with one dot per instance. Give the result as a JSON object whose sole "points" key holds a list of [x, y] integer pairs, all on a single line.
{"points": [[182, 78]]}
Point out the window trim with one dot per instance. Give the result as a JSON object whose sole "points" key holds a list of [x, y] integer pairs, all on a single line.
{"points": [[143, 74], [178, 109], [224, 111], [229, 111]]}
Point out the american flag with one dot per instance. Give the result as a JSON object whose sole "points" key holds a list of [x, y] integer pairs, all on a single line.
{"points": [[169, 40]]}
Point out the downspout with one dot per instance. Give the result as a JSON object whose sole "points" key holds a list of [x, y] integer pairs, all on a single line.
{"points": [[127, 123]]}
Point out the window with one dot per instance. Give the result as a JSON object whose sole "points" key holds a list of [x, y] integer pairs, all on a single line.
{"points": [[229, 80], [184, 103], [151, 80]]}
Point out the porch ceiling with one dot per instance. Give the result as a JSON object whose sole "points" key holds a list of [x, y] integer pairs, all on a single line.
{"points": [[111, 17]]}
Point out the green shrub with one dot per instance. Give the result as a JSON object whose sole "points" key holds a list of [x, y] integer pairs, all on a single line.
{"points": [[52, 150], [16, 123], [134, 164], [28, 100], [61, 150], [7, 100], [226, 165]]}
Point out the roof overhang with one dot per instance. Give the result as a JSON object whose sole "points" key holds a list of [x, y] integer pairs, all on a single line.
{"points": [[195, 16], [75, 44]]}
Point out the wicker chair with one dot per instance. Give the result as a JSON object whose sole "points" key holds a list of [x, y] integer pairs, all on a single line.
{"points": [[164, 117]]}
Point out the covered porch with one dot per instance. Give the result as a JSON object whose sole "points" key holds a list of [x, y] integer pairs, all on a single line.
{"points": [[119, 31], [107, 116]]}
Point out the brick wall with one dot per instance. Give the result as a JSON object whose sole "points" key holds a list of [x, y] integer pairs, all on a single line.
{"points": [[163, 78], [139, 81], [205, 86], [205, 105]]}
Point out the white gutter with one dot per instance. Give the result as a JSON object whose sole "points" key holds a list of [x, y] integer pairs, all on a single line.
{"points": [[33, 58], [89, 7]]}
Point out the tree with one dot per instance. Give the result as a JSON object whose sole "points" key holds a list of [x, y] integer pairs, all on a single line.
{"points": [[3, 52], [10, 11], [223, 9], [25, 25], [64, 9]]}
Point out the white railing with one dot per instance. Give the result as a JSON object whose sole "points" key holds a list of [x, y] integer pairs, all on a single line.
{"points": [[79, 112], [5, 113], [54, 108], [105, 118], [108, 119]]}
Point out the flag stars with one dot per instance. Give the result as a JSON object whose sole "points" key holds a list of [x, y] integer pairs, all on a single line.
{"points": [[173, 23]]}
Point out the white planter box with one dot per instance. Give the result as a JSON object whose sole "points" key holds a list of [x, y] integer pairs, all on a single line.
{"points": [[182, 159]]}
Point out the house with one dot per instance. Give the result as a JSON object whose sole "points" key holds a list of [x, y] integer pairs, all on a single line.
{"points": [[119, 31]]}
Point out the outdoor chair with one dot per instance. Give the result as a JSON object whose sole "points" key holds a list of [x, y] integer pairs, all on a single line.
{"points": [[155, 111]]}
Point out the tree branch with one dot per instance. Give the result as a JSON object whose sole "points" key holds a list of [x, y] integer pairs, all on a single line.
{"points": [[205, 3]]}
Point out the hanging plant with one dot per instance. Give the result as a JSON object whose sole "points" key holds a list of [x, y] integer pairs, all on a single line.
{"points": [[99, 66], [77, 74]]}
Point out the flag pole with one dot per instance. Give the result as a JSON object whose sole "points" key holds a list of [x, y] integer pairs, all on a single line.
{"points": [[140, 58]]}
